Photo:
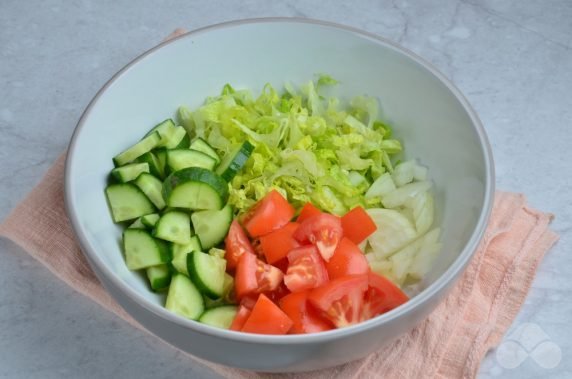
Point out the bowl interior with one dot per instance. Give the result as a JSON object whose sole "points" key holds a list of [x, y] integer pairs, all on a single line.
{"points": [[433, 123]]}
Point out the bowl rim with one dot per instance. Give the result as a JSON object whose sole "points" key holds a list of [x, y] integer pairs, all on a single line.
{"points": [[107, 277]]}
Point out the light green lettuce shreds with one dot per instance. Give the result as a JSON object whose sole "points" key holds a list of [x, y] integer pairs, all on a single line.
{"points": [[307, 146]]}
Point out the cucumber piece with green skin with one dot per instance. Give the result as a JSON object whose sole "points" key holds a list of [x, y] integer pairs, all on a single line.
{"points": [[234, 161], [174, 226], [159, 277], [201, 145], [177, 138], [161, 155], [142, 250], [195, 188], [145, 145], [137, 224], [152, 160], [207, 272], [127, 202], [150, 220], [184, 299], [129, 172], [228, 296], [219, 317], [211, 226], [152, 188], [180, 252], [178, 159], [164, 129]]}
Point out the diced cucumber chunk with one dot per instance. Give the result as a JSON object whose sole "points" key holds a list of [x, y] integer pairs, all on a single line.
{"points": [[184, 298], [179, 159], [195, 188], [135, 151], [211, 226], [159, 277], [152, 188], [174, 226], [217, 252], [129, 172], [219, 317], [164, 129], [201, 145], [152, 160], [137, 224], [142, 250], [127, 202], [180, 252], [234, 161], [150, 220], [178, 139], [207, 272]]}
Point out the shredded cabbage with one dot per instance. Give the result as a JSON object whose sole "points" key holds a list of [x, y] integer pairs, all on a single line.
{"points": [[310, 147]]}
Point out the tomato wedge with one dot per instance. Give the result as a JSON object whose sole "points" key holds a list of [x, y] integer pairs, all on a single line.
{"points": [[270, 213], [240, 318], [276, 245], [323, 230], [347, 260], [305, 317], [254, 276], [306, 269], [341, 300], [267, 318], [358, 225], [381, 296], [308, 210], [236, 244], [278, 293]]}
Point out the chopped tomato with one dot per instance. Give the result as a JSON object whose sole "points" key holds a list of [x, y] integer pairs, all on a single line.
{"points": [[254, 276], [278, 293], [306, 269], [282, 264], [236, 244], [381, 296], [276, 245], [347, 259], [240, 318], [270, 213], [323, 230], [341, 300], [267, 318], [308, 210], [305, 317], [358, 225]]}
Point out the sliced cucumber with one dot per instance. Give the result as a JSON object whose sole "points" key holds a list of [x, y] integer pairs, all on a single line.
{"points": [[152, 160], [129, 172], [152, 188], [207, 272], [217, 252], [137, 150], [142, 250], [234, 161], [178, 159], [164, 129], [180, 252], [184, 298], [201, 145], [127, 202], [174, 226], [211, 226], [161, 155], [150, 220], [219, 317], [137, 224], [159, 277], [178, 139], [195, 188]]}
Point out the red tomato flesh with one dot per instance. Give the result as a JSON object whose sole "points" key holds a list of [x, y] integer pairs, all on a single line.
{"points": [[341, 300], [347, 260], [381, 296], [236, 244], [308, 210], [323, 230], [306, 269], [267, 318], [255, 276], [358, 225], [305, 317], [270, 213], [276, 245], [240, 318]]}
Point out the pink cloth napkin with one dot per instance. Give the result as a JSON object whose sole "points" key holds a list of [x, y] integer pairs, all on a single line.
{"points": [[450, 343]]}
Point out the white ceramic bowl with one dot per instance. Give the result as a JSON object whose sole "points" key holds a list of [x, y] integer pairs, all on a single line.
{"points": [[429, 114]]}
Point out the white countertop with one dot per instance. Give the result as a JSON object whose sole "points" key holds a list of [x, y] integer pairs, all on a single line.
{"points": [[511, 58]]}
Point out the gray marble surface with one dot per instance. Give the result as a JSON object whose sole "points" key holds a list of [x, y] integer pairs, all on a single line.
{"points": [[511, 58]]}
